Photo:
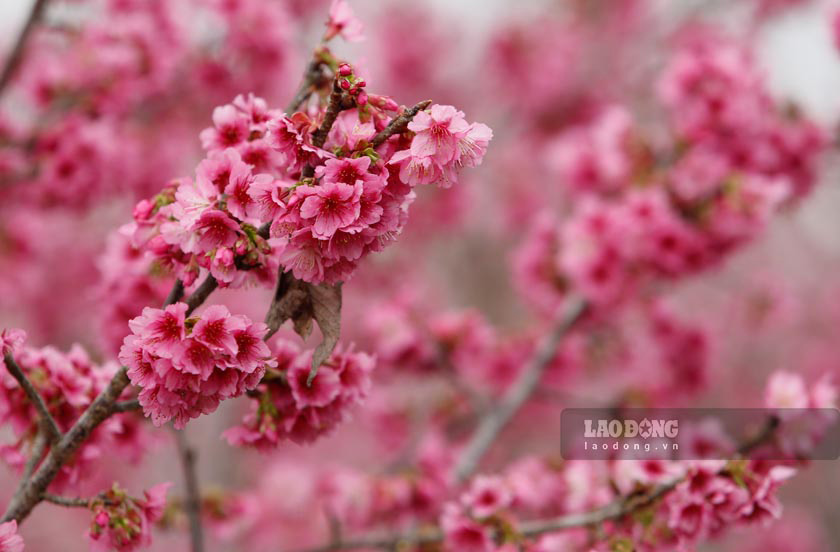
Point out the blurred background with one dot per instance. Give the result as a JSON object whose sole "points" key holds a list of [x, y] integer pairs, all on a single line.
{"points": [[530, 70]]}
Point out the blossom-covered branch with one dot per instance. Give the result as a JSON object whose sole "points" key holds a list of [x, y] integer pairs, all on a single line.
{"points": [[192, 499], [518, 393], [48, 425]]}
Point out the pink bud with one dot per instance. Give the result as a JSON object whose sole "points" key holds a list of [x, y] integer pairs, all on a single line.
{"points": [[159, 246], [224, 256], [362, 99], [143, 210], [344, 83], [102, 518], [361, 84], [345, 70], [384, 102]]}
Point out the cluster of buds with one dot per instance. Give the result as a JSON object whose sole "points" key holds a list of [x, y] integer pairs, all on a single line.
{"points": [[352, 83], [121, 522]]}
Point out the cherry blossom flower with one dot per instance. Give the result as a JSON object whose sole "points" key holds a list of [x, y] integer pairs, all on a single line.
{"points": [[11, 340], [217, 357], [10, 541], [123, 523], [342, 21], [333, 205]]}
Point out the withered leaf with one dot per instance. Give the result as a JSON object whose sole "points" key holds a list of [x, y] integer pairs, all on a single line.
{"points": [[326, 309], [303, 302]]}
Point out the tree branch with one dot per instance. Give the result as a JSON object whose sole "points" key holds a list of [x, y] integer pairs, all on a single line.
{"points": [[175, 294], [192, 502], [619, 508], [612, 511], [334, 107], [67, 502], [38, 448], [201, 293], [311, 75], [126, 406], [519, 392], [32, 491], [47, 423], [399, 124], [15, 57]]}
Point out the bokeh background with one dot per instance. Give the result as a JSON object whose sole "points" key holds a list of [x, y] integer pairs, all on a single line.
{"points": [[459, 248]]}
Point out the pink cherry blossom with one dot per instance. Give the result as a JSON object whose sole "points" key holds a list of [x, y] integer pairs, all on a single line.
{"points": [[786, 390], [10, 340], [333, 205], [10, 541], [342, 21], [219, 357]]}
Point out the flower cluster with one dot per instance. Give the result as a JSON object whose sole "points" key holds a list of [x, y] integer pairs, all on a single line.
{"points": [[208, 223], [709, 501], [288, 407], [444, 141], [354, 201], [717, 101], [186, 366], [68, 383], [595, 157], [123, 523], [640, 220]]}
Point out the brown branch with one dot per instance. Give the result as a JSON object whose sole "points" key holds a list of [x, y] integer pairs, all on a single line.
{"points": [[311, 76], [35, 456], [16, 54], [621, 507], [612, 511], [175, 294], [192, 502], [32, 490], [201, 293], [68, 502], [126, 406], [335, 106], [46, 421], [519, 392], [399, 124], [61, 452]]}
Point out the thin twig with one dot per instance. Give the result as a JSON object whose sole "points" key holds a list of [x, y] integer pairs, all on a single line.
{"points": [[621, 507], [35, 456], [399, 123], [612, 511], [95, 414], [126, 406], [68, 502], [16, 54], [519, 392], [46, 420], [192, 502], [38, 448]]}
